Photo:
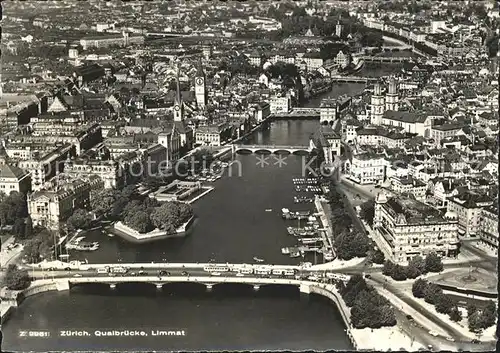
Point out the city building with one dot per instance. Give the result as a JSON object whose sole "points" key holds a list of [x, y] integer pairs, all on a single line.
{"points": [[488, 227], [409, 186], [405, 228], [108, 40], [328, 110], [212, 135], [13, 178], [328, 141], [44, 167], [366, 168], [49, 207], [468, 206], [280, 105]]}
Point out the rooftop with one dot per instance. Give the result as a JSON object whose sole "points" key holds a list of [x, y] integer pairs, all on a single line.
{"points": [[413, 211]]}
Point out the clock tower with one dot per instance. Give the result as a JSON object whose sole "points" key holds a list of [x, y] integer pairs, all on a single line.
{"points": [[199, 87]]}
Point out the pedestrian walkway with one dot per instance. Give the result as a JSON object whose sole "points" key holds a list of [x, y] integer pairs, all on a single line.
{"points": [[400, 304]]}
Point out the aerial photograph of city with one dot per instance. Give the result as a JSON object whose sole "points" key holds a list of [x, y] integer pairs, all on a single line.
{"points": [[249, 175]]}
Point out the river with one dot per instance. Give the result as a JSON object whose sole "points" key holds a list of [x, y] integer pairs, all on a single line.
{"points": [[232, 226]]}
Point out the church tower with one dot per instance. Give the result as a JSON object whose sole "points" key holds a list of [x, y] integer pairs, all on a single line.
{"points": [[178, 106], [378, 105], [338, 28], [200, 87], [392, 98]]}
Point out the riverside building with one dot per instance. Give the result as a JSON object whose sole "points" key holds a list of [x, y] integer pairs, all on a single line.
{"points": [[405, 228]]}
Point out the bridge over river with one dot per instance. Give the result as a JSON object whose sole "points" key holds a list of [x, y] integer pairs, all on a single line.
{"points": [[271, 149]]}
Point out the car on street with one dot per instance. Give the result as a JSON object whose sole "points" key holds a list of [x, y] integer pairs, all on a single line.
{"points": [[475, 341], [77, 275], [215, 273], [184, 273], [240, 275], [164, 273], [143, 273], [409, 317]]}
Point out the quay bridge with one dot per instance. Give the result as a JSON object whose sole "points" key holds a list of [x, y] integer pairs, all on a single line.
{"points": [[266, 149], [208, 282]]}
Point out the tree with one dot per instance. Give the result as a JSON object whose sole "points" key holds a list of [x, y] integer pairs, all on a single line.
{"points": [[388, 268], [138, 221], [353, 290], [489, 315], [475, 322], [370, 309], [378, 257], [13, 207], [368, 211], [433, 263], [432, 292], [351, 244], [201, 159], [419, 287], [444, 303], [418, 263], [39, 247], [471, 309], [412, 272], [16, 279], [19, 228], [28, 228], [455, 314], [80, 219], [399, 273], [102, 202]]}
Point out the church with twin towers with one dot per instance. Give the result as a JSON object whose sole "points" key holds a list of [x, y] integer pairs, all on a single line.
{"points": [[381, 103]]}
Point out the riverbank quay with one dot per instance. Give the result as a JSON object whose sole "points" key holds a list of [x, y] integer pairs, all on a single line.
{"points": [[381, 339], [11, 299], [327, 233]]}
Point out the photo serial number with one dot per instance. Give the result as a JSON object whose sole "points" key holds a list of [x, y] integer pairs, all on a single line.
{"points": [[120, 333]]}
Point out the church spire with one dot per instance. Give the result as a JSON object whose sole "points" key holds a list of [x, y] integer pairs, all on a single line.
{"points": [[178, 87], [199, 69]]}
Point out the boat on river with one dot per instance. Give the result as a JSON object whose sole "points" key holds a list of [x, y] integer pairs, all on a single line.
{"points": [[257, 259], [285, 251], [287, 214]]}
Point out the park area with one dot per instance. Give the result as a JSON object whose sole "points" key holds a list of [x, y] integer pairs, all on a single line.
{"points": [[476, 279]]}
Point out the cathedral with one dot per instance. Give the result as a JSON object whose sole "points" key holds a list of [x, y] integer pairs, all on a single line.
{"points": [[380, 103]]}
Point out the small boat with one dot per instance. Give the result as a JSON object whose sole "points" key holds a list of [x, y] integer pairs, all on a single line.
{"points": [[256, 259], [269, 210], [285, 251], [295, 254], [328, 256], [111, 235]]}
